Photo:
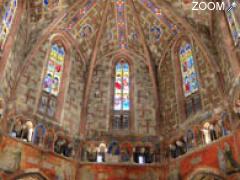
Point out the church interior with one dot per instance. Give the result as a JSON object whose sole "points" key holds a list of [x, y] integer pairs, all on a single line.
{"points": [[119, 90]]}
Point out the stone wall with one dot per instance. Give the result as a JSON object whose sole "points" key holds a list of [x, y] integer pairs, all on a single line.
{"points": [[168, 99], [211, 92], [100, 102], [30, 85], [14, 59], [172, 100], [228, 58]]}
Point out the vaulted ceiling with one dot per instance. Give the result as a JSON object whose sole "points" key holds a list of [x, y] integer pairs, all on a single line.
{"points": [[127, 26]]}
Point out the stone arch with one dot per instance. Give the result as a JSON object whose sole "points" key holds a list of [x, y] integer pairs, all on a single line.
{"points": [[189, 29], [28, 174], [206, 172], [48, 36], [176, 65], [62, 41], [115, 59]]}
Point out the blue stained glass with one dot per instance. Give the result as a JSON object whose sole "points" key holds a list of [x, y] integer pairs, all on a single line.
{"points": [[45, 2], [190, 62], [125, 67], [188, 46], [126, 105], [182, 51], [55, 47], [121, 88], [54, 72], [61, 51], [118, 66], [189, 75], [7, 19]]}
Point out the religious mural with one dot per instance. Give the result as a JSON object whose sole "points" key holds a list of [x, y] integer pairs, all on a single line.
{"points": [[227, 162], [10, 159]]}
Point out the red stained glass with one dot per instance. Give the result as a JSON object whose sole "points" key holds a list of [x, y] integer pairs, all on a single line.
{"points": [[121, 92], [53, 76]]}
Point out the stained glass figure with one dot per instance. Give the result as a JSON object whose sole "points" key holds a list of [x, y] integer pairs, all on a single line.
{"points": [[52, 79], [121, 89], [189, 74], [8, 16]]}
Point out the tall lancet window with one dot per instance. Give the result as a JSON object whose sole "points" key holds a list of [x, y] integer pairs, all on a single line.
{"points": [[52, 80], [232, 10], [9, 11], [189, 79], [121, 105]]}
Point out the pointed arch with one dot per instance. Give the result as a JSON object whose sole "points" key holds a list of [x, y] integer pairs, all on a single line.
{"points": [[28, 173], [206, 172], [190, 82], [55, 73], [122, 98], [187, 78]]}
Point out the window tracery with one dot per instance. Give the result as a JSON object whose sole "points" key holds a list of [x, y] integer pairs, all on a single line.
{"points": [[52, 81], [190, 82], [121, 102]]}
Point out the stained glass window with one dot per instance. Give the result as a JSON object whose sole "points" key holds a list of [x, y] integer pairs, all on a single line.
{"points": [[121, 106], [121, 90], [189, 74], [45, 3], [232, 9], [8, 15], [52, 79], [51, 82]]}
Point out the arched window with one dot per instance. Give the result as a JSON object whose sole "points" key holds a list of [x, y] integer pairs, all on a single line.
{"points": [[52, 80], [189, 79], [9, 11], [232, 10], [121, 102]]}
